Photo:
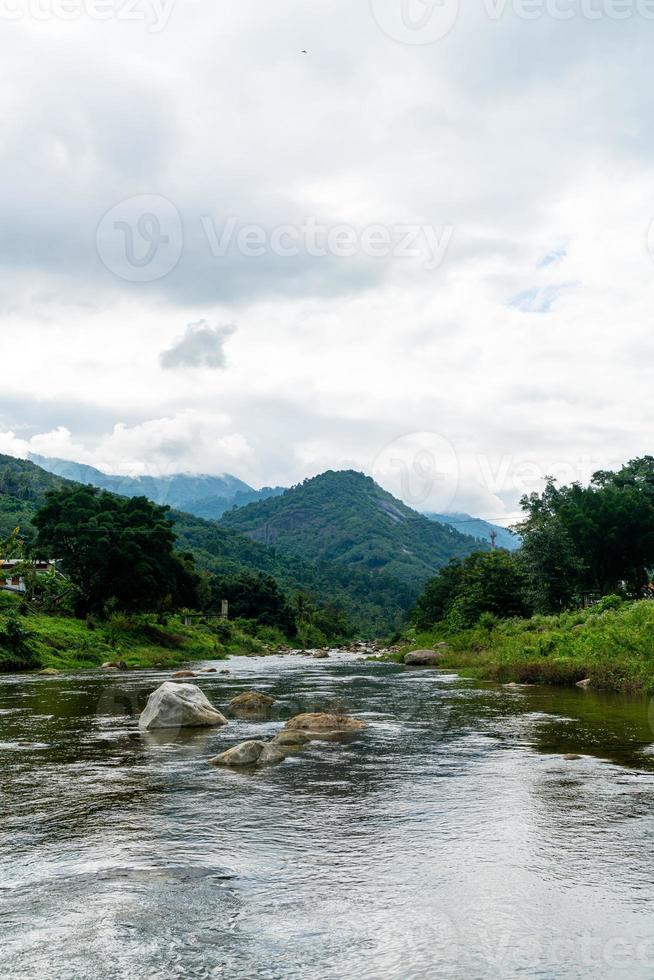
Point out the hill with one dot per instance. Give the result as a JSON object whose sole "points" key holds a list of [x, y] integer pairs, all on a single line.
{"points": [[200, 494], [346, 517], [478, 528], [373, 603]]}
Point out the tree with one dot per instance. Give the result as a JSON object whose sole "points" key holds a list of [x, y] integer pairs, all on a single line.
{"points": [[596, 538], [438, 595], [115, 550], [254, 596], [490, 582]]}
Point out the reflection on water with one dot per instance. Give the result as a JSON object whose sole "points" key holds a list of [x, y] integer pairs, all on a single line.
{"points": [[450, 839]]}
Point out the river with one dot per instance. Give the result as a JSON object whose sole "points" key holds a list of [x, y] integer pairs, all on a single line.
{"points": [[449, 839]]}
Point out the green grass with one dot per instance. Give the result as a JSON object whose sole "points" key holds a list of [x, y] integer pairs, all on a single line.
{"points": [[66, 643], [614, 647]]}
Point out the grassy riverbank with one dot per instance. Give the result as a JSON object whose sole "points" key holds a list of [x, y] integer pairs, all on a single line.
{"points": [[35, 640], [611, 643]]}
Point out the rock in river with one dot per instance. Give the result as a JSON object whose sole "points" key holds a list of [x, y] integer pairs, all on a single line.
{"points": [[422, 658], [179, 706], [585, 684], [251, 702], [320, 655], [290, 739], [253, 753], [322, 721], [48, 672], [183, 673]]}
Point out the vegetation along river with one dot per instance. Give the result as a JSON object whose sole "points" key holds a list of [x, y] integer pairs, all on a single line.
{"points": [[449, 839]]}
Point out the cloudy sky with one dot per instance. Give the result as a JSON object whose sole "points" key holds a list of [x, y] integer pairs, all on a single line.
{"points": [[420, 249]]}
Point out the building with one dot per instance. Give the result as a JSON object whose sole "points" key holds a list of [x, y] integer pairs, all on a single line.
{"points": [[10, 578]]}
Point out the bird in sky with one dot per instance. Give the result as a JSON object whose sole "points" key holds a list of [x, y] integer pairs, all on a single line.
{"points": [[304, 52]]}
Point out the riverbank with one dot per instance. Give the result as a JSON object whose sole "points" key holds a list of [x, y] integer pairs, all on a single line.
{"points": [[610, 644], [35, 641]]}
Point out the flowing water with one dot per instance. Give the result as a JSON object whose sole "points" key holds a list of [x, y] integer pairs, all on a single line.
{"points": [[450, 839]]}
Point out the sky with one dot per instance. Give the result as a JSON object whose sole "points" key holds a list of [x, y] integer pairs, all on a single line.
{"points": [[422, 249]]}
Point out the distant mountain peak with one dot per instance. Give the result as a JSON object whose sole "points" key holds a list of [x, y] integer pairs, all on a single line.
{"points": [[344, 516], [200, 494]]}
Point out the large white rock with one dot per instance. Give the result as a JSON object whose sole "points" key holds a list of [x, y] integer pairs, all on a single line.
{"points": [[179, 706]]}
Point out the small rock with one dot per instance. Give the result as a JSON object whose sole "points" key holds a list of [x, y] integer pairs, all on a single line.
{"points": [[571, 757], [422, 658], [320, 655], [290, 738], [48, 672], [252, 701], [322, 721], [183, 673], [209, 670], [114, 665], [585, 684], [254, 753], [179, 706], [224, 671]]}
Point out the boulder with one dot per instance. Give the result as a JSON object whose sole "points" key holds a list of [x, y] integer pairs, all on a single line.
{"points": [[322, 721], [252, 701], [290, 739], [254, 753], [422, 658], [183, 673], [571, 757], [585, 684], [320, 655], [48, 672], [179, 706], [114, 665]]}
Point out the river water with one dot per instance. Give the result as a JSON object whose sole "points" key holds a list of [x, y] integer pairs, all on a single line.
{"points": [[450, 839]]}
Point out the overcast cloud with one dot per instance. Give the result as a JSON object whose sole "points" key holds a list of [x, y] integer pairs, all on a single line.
{"points": [[202, 346], [434, 256]]}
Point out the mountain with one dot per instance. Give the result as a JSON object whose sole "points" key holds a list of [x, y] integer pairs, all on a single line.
{"points": [[203, 495], [373, 603], [346, 517], [478, 528]]}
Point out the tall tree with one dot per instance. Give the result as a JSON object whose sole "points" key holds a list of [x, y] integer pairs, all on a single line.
{"points": [[114, 549]]}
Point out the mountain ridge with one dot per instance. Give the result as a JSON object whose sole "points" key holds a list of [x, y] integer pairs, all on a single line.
{"points": [[344, 516], [202, 494]]}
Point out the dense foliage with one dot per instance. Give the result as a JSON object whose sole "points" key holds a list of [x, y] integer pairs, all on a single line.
{"points": [[370, 602], [579, 543], [609, 645], [116, 551], [486, 582], [256, 597], [346, 517]]}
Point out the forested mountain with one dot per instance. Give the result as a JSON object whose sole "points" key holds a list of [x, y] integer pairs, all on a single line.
{"points": [[199, 494], [477, 528], [346, 517], [373, 602]]}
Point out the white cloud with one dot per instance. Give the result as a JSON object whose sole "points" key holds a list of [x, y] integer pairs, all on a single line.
{"points": [[202, 346], [532, 140]]}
